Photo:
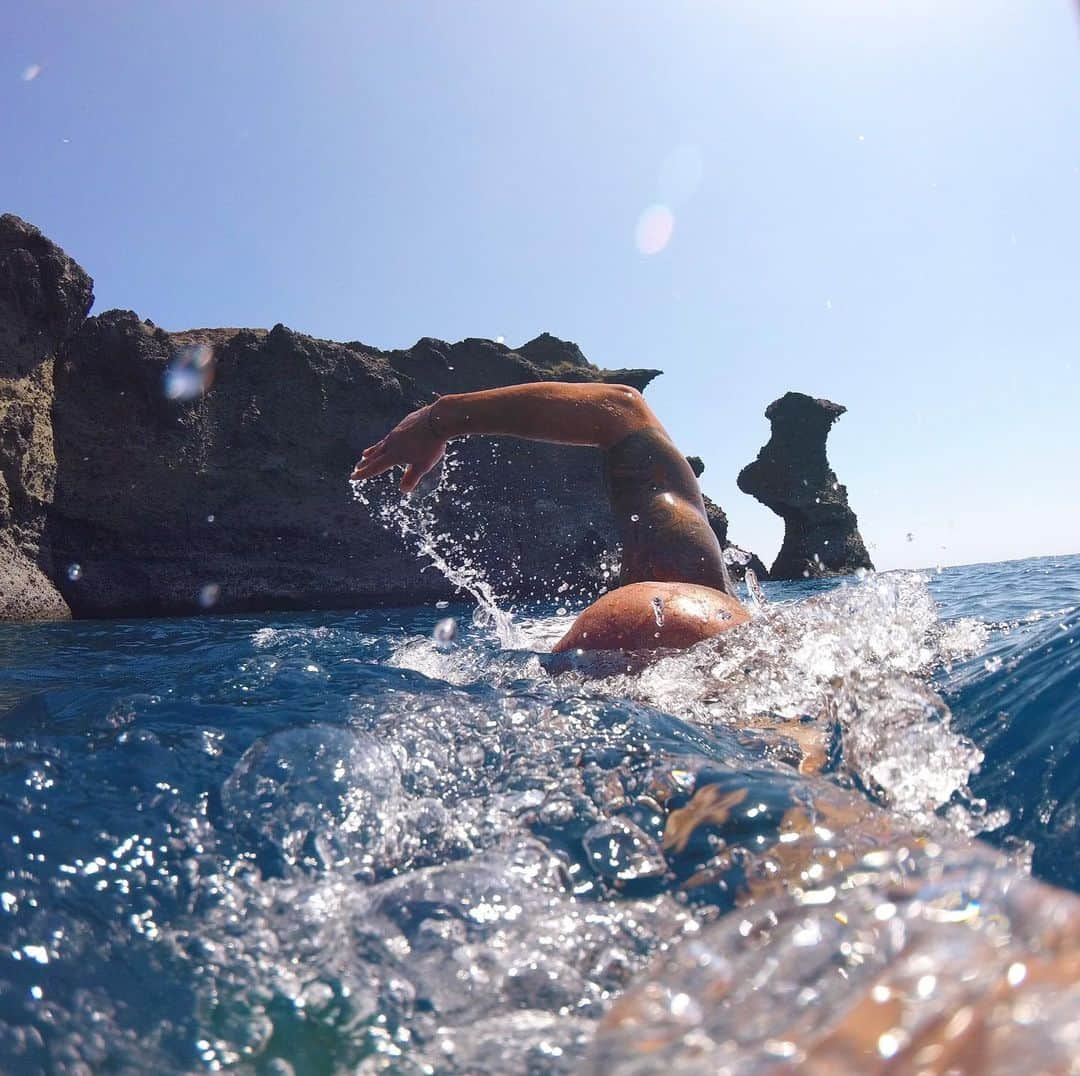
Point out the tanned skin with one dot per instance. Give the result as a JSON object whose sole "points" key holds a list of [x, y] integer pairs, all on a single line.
{"points": [[674, 589]]}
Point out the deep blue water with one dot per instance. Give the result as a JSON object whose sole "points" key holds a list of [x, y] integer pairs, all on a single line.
{"points": [[309, 842]]}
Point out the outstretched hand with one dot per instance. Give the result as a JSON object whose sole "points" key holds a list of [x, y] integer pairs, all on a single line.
{"points": [[411, 444]]}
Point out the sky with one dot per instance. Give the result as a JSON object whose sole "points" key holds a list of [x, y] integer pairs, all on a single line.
{"points": [[874, 202]]}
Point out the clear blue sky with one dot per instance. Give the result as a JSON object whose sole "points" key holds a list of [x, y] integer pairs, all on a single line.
{"points": [[877, 202]]}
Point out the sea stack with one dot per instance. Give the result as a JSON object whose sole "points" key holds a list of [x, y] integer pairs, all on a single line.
{"points": [[792, 476]]}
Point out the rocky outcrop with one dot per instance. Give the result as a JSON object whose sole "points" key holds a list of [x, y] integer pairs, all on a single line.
{"points": [[144, 472], [44, 298], [736, 558], [208, 468], [791, 475]]}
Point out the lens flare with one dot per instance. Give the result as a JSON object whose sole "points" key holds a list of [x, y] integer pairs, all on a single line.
{"points": [[654, 228]]}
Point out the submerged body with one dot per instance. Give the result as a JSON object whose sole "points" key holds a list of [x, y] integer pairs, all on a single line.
{"points": [[674, 590]]}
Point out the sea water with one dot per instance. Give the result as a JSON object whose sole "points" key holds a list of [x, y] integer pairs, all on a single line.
{"points": [[332, 843]]}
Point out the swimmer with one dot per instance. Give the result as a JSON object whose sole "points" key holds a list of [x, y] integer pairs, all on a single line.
{"points": [[674, 589]]}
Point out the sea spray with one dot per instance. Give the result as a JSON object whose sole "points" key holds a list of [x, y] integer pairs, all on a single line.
{"points": [[264, 844], [414, 517]]}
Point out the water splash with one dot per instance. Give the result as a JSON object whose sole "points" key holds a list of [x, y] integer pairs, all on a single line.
{"points": [[413, 517], [849, 664], [753, 588], [366, 869]]}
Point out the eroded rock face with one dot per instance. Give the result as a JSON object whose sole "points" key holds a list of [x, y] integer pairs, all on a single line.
{"points": [[792, 476], [44, 297], [144, 472], [242, 489]]}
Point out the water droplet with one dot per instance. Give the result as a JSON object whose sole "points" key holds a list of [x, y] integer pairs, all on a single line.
{"points": [[209, 594], [74, 572], [445, 632], [190, 373], [658, 612], [1017, 974]]}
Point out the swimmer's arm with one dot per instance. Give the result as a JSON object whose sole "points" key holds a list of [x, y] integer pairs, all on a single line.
{"points": [[553, 411]]}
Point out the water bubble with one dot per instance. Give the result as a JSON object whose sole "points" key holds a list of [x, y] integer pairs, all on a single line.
{"points": [[445, 632], [635, 518], [209, 594], [210, 518], [319, 795], [190, 373], [471, 754], [74, 572], [618, 848]]}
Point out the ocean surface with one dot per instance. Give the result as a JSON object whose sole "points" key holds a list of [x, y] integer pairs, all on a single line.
{"points": [[342, 842]]}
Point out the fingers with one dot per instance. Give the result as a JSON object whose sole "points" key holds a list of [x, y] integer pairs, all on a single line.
{"points": [[411, 479], [369, 459], [370, 468]]}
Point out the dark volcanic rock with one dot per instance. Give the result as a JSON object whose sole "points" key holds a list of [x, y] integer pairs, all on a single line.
{"points": [[242, 489], [792, 477], [44, 297], [144, 472]]}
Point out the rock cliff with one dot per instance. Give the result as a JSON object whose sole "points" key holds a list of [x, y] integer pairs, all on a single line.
{"points": [[44, 297], [792, 476], [237, 496], [144, 472]]}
